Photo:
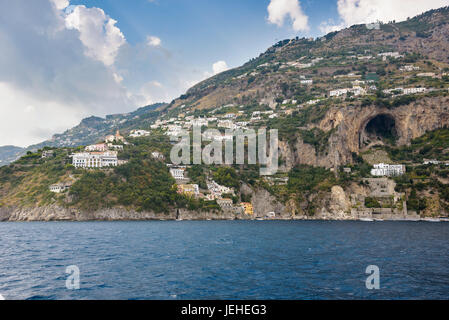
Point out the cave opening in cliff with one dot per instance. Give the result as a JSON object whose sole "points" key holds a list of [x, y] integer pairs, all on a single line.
{"points": [[380, 130]]}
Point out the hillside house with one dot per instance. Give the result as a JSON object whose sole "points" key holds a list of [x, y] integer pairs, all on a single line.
{"points": [[414, 90], [115, 138], [95, 159], [191, 190], [248, 208], [306, 82], [48, 154], [217, 190], [177, 173], [225, 203], [338, 92], [60, 187], [139, 133], [387, 170], [100, 147]]}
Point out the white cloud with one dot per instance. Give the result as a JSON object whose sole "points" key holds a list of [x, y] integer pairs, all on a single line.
{"points": [[98, 33], [279, 10], [64, 64], [153, 92], [219, 67], [47, 83], [366, 11], [153, 41], [30, 120], [330, 26], [60, 4]]}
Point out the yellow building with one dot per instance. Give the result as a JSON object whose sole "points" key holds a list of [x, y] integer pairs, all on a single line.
{"points": [[191, 190], [248, 207]]}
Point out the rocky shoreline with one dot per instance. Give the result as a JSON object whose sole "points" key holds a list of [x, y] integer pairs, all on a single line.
{"points": [[56, 213]]}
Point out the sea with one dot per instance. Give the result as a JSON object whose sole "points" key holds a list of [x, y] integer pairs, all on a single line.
{"points": [[177, 260]]}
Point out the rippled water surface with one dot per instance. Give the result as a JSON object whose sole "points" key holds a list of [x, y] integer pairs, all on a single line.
{"points": [[224, 260]]}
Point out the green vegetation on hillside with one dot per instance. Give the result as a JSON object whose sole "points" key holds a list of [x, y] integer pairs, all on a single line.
{"points": [[432, 145]]}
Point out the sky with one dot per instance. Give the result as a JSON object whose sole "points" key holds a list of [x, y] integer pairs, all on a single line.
{"points": [[64, 60]]}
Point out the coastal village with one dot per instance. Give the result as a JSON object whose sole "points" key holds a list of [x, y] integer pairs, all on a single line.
{"points": [[228, 118], [307, 88]]}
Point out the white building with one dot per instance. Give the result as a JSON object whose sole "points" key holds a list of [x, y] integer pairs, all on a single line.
{"points": [[338, 92], [365, 57], [173, 130], [139, 133], [217, 190], [311, 102], [60, 187], [100, 147], [357, 91], [226, 124], [307, 82], [408, 68], [414, 90], [242, 124], [382, 170], [200, 122], [177, 173], [95, 159], [394, 55], [230, 116], [436, 162]]}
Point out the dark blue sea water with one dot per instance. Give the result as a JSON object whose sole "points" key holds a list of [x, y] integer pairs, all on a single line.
{"points": [[224, 260]]}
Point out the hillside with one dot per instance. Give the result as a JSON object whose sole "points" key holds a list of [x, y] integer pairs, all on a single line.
{"points": [[362, 115], [90, 130], [263, 79]]}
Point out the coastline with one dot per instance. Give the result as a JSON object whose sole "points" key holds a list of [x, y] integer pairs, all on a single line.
{"points": [[55, 213]]}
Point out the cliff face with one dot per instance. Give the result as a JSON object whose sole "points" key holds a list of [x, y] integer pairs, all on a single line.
{"points": [[350, 125]]}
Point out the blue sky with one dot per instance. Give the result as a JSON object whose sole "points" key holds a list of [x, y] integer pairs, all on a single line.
{"points": [[204, 31], [64, 60]]}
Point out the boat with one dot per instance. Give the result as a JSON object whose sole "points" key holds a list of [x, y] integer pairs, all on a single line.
{"points": [[431, 220], [366, 219]]}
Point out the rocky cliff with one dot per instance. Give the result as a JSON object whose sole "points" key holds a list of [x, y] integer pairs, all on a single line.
{"points": [[349, 127]]}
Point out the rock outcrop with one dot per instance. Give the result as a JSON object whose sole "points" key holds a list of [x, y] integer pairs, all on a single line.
{"points": [[349, 124]]}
